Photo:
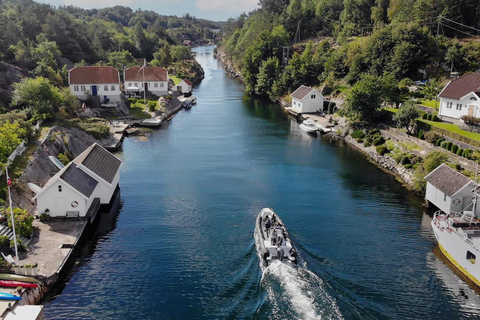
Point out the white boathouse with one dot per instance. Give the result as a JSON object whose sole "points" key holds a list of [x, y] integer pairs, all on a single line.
{"points": [[306, 100], [88, 181], [449, 190]]}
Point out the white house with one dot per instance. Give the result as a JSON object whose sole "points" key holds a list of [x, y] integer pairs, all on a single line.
{"points": [[153, 79], [97, 81], [460, 97], [449, 190], [307, 100], [184, 86], [71, 192]]}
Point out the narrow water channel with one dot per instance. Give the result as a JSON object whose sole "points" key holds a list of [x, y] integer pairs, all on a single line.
{"points": [[183, 247]]}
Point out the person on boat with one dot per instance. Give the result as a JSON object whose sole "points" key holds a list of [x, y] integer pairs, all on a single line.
{"points": [[280, 254], [267, 225], [274, 219]]}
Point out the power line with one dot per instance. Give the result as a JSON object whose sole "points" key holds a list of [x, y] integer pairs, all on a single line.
{"points": [[464, 25], [458, 30]]}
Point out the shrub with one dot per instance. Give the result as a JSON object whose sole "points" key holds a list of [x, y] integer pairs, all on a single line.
{"points": [[382, 149], [421, 135], [444, 144], [424, 116], [398, 157], [458, 167], [359, 140], [429, 116], [454, 148], [405, 160], [358, 134], [373, 132], [408, 166], [432, 136], [449, 145], [467, 153], [20, 245], [367, 144], [439, 141], [4, 242], [433, 160], [23, 222], [416, 159], [460, 152], [435, 118], [378, 141], [63, 158]]}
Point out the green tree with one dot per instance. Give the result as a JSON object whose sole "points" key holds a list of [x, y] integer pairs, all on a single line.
{"points": [[23, 222], [38, 96], [406, 116], [266, 77], [363, 102], [121, 59], [10, 138], [433, 160]]}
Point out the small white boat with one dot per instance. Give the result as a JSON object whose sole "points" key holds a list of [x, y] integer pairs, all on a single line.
{"points": [[131, 130], [272, 238], [309, 126], [151, 122]]}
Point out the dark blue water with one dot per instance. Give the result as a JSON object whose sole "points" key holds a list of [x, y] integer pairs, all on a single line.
{"points": [[183, 247]]}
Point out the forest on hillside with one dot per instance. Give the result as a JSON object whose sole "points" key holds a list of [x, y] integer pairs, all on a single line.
{"points": [[39, 40], [337, 43]]}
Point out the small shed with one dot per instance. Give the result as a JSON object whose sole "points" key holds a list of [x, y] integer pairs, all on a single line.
{"points": [[449, 190], [307, 100], [184, 86]]}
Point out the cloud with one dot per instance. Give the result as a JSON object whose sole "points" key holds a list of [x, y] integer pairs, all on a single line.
{"points": [[226, 5]]}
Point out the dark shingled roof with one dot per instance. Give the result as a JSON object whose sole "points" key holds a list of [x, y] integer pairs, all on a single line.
{"points": [[79, 180], [301, 92], [94, 75], [447, 179], [151, 74], [460, 87], [102, 163]]}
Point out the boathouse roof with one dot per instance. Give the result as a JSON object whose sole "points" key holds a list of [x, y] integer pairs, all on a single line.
{"points": [[100, 161], [188, 82], [79, 180], [458, 88], [151, 74], [302, 92], [447, 179], [93, 75]]}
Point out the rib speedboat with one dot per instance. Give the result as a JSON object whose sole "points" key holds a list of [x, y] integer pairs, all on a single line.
{"points": [[309, 126], [272, 238]]}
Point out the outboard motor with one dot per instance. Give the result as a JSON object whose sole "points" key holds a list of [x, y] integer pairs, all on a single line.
{"points": [[280, 254]]}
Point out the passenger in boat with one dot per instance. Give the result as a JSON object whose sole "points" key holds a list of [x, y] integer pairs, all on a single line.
{"points": [[274, 219], [280, 254], [267, 225]]}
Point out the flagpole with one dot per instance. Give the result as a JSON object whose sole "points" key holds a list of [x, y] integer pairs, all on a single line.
{"points": [[9, 182], [144, 84]]}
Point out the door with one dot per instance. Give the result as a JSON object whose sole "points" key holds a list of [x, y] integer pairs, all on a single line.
{"points": [[59, 206], [179, 89], [471, 110], [94, 90], [146, 86]]}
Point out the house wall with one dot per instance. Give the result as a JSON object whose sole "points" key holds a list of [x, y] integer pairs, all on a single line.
{"points": [[296, 105], [438, 198], [448, 107], [112, 91], [158, 88], [60, 202], [308, 104]]}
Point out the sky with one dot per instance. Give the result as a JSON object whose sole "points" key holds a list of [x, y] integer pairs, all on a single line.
{"points": [[216, 10]]}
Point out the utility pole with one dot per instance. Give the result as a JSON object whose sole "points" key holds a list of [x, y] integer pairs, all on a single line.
{"points": [[9, 182]]}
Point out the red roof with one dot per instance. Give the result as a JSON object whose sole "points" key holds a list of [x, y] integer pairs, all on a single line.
{"points": [[460, 87], [187, 82], [94, 75], [151, 74]]}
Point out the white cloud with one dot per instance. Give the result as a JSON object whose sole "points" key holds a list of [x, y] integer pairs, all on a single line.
{"points": [[226, 5]]}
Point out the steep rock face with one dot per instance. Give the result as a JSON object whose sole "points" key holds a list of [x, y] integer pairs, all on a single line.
{"points": [[40, 169]]}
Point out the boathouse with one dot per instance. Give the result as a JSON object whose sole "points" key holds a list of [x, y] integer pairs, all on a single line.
{"points": [[306, 100], [449, 190], [81, 186], [184, 87]]}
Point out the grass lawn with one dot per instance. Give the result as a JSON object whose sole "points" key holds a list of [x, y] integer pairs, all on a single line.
{"points": [[139, 113], [427, 103], [453, 128], [175, 79]]}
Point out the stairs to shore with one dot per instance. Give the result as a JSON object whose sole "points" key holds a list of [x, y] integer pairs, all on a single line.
{"points": [[6, 231]]}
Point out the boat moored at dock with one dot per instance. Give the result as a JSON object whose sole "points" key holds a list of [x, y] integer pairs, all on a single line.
{"points": [[309, 126], [272, 238]]}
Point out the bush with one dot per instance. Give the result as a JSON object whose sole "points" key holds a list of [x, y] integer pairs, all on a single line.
{"points": [[382, 149], [466, 153], [20, 246], [421, 135], [398, 157], [460, 152], [408, 166], [444, 144], [367, 144], [23, 222], [373, 132], [449, 145], [429, 117], [424, 116], [358, 134], [378, 141], [454, 148], [4, 242], [405, 160], [458, 167], [359, 140], [63, 158], [439, 141], [416, 159], [435, 118], [432, 136]]}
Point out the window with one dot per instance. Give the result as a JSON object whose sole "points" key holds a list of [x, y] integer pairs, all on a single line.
{"points": [[112, 88], [473, 98], [294, 103], [129, 84], [312, 96], [59, 188], [459, 106], [444, 197], [105, 88], [161, 85], [75, 88], [155, 84], [136, 84], [471, 257], [82, 88]]}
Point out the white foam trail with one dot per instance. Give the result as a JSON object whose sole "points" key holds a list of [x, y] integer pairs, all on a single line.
{"points": [[302, 289]]}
